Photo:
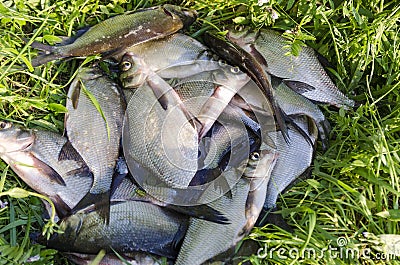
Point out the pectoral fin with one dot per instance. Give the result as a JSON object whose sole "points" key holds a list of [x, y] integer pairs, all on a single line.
{"points": [[48, 171], [201, 212], [101, 202]]}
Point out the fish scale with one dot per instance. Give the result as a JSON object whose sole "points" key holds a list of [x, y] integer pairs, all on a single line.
{"points": [[310, 78], [87, 129]]}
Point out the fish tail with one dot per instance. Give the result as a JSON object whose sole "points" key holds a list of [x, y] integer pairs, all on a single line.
{"points": [[44, 58], [49, 54], [101, 202]]}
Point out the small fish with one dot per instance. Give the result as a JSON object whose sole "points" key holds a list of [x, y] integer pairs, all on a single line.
{"points": [[116, 33], [95, 131], [135, 226], [204, 240], [42, 161], [304, 73], [158, 129], [289, 168]]}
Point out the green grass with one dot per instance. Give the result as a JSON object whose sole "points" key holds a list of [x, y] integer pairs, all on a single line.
{"points": [[354, 190]]}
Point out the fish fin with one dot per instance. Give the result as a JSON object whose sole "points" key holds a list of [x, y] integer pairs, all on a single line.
{"points": [[62, 208], [301, 131], [42, 47], [69, 40], [68, 152], [101, 203], [48, 171], [269, 216], [179, 236], [298, 87], [75, 94], [202, 211], [281, 117], [258, 56]]}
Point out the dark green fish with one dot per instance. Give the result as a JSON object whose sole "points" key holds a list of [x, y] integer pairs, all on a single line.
{"points": [[116, 33], [205, 240], [304, 73], [135, 226], [94, 127], [42, 160]]}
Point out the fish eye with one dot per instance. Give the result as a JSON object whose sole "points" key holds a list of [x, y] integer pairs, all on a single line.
{"points": [[255, 156], [126, 65], [4, 125]]}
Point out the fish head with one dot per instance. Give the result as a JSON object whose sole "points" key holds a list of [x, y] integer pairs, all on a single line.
{"points": [[260, 163], [14, 138], [133, 71], [64, 241], [187, 16], [241, 36]]}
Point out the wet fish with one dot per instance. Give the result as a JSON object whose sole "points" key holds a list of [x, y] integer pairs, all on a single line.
{"points": [[205, 240], [112, 259], [163, 139], [289, 167], [304, 73], [119, 32], [135, 226], [39, 159], [95, 133]]}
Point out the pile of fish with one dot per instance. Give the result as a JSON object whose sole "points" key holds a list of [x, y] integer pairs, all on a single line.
{"points": [[183, 154]]}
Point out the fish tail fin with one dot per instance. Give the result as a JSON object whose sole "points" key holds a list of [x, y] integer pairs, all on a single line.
{"points": [[44, 58], [101, 202], [42, 47]]}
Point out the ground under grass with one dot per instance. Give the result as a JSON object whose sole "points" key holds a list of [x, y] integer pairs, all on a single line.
{"points": [[337, 215]]}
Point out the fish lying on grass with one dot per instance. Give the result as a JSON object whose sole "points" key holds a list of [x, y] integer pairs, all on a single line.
{"points": [[134, 226], [45, 161], [119, 32], [294, 160], [204, 240], [94, 127], [304, 73]]}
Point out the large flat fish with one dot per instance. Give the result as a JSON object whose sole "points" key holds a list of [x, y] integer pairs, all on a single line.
{"points": [[116, 33], [304, 73], [42, 161], [158, 130], [94, 127]]}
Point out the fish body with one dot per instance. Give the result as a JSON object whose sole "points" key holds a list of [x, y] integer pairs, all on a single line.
{"points": [[288, 166], [135, 226], [95, 133], [119, 32], [162, 140], [205, 240], [39, 159], [304, 73]]}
